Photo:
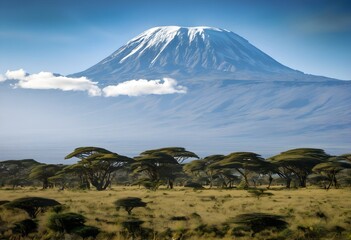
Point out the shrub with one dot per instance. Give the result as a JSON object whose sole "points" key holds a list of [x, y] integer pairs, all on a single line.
{"points": [[258, 222], [32, 205], [2, 202], [25, 227], [179, 218], [58, 208], [211, 230], [132, 228], [259, 193], [129, 204], [86, 231], [66, 222], [193, 185]]}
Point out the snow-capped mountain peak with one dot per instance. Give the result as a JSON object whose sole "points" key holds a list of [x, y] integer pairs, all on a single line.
{"points": [[188, 53]]}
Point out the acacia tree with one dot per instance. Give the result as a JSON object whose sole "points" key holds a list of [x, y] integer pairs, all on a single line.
{"points": [[243, 162], [99, 164], [77, 171], [156, 166], [16, 172], [202, 168], [43, 172], [129, 203], [299, 162], [180, 154], [331, 168], [32, 205], [346, 156]]}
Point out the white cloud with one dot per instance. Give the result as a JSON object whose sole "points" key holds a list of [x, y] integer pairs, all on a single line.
{"points": [[47, 80], [144, 87], [2, 78], [15, 75]]}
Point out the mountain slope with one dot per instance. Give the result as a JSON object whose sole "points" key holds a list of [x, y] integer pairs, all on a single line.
{"points": [[201, 53]]}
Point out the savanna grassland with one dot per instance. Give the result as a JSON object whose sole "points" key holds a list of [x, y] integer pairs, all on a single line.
{"points": [[184, 213]]}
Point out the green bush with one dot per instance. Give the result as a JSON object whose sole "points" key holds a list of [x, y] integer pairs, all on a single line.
{"points": [[86, 231], [25, 227], [129, 203], [258, 222], [66, 222], [32, 205]]}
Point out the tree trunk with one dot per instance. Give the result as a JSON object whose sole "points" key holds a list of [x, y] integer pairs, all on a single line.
{"points": [[288, 182], [246, 181], [210, 179], [45, 183], [335, 181], [170, 184], [302, 181], [270, 181]]}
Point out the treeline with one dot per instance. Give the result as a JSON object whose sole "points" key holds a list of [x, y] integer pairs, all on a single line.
{"points": [[100, 168]]}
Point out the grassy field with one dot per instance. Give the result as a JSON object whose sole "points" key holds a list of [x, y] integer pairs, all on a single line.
{"points": [[310, 213]]}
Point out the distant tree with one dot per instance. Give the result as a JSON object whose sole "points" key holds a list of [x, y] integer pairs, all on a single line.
{"points": [[156, 166], [99, 164], [243, 162], [283, 172], [193, 185], [226, 177], [62, 179], [43, 172], [15, 172], [202, 167], [179, 154], [318, 179], [299, 163], [129, 204], [346, 156], [331, 168], [32, 205], [260, 193], [77, 170]]}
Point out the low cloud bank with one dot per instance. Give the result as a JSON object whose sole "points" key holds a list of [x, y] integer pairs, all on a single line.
{"points": [[47, 80], [144, 87], [134, 88]]}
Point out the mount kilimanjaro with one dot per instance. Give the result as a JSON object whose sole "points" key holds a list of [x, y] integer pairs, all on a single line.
{"points": [[191, 53], [238, 99]]}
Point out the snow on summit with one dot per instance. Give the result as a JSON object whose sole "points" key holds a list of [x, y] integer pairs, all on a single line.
{"points": [[191, 54]]}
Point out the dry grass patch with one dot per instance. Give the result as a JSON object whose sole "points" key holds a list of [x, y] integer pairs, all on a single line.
{"points": [[309, 212]]}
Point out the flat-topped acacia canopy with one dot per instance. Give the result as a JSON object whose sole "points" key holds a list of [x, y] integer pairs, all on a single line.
{"points": [[32, 205], [83, 152]]}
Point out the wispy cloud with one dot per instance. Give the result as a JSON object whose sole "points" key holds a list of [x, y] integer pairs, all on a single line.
{"points": [[144, 87], [48, 80]]}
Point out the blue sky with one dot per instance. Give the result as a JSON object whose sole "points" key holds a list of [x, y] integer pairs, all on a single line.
{"points": [[68, 36]]}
